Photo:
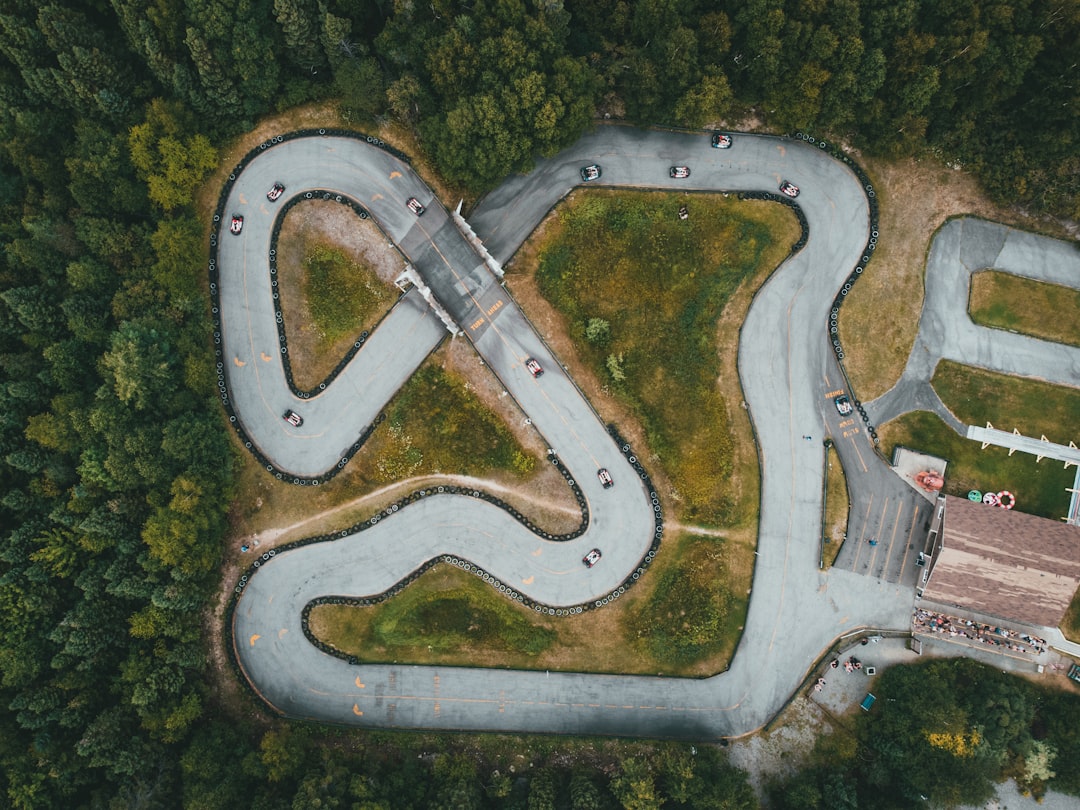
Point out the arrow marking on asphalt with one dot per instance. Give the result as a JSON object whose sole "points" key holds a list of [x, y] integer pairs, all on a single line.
{"points": [[281, 633], [356, 710], [239, 363], [359, 685], [255, 637], [265, 357], [528, 580], [395, 174]]}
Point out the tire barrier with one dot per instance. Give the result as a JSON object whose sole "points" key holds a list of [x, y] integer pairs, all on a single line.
{"points": [[279, 315], [455, 561], [215, 300], [449, 559], [868, 249]]}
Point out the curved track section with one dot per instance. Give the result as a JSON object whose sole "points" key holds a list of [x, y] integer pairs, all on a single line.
{"points": [[795, 611]]}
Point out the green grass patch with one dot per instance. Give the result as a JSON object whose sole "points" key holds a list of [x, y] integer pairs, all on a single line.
{"points": [[642, 292], [688, 616], [1005, 301], [451, 617], [435, 425], [1039, 487], [1032, 407], [1070, 624], [447, 615], [343, 296], [836, 506]]}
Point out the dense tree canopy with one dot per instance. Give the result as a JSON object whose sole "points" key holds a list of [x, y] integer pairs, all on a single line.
{"points": [[116, 463], [946, 731]]}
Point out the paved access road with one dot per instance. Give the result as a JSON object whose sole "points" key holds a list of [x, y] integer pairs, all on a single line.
{"points": [[795, 611], [962, 247]]}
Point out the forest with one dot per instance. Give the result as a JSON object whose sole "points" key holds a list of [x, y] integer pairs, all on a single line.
{"points": [[117, 466]]}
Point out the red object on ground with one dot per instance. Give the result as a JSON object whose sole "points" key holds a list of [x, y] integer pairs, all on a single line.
{"points": [[930, 481]]}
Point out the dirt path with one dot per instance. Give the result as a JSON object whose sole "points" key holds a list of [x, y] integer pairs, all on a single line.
{"points": [[270, 536]]}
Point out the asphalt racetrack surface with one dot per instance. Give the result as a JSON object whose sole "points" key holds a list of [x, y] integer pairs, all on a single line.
{"points": [[787, 368]]}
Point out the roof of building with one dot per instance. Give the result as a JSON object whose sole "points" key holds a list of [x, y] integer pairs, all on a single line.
{"points": [[1006, 563]]}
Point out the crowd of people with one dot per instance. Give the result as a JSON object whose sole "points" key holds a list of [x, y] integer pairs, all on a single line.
{"points": [[928, 621]]}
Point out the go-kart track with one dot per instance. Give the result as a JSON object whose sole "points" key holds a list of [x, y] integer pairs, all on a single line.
{"points": [[786, 364]]}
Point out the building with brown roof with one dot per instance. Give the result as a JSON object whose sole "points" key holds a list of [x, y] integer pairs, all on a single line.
{"points": [[1003, 563]]}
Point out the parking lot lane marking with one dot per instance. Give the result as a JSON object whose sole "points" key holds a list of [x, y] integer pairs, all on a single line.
{"points": [[862, 533], [255, 637], [359, 685], [356, 710], [855, 446], [881, 528], [910, 532]]}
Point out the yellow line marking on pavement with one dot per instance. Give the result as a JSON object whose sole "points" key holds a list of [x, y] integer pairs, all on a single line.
{"points": [[356, 710], [855, 446], [266, 358], [238, 362], [395, 174], [862, 534], [359, 685], [253, 639], [907, 546]]}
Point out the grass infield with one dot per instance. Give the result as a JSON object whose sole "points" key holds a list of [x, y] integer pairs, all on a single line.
{"points": [[1005, 301], [978, 397]]}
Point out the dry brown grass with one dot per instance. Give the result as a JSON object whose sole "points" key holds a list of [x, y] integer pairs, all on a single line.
{"points": [[307, 227], [271, 511], [880, 318]]}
